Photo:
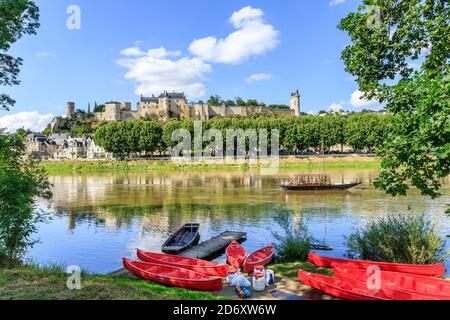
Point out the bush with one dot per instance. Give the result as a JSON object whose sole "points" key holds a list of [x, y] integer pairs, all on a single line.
{"points": [[294, 244], [21, 181], [400, 239]]}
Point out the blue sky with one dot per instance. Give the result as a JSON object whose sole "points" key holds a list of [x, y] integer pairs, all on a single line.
{"points": [[253, 49]]}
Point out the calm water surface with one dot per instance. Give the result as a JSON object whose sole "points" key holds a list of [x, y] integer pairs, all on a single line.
{"points": [[97, 220]]}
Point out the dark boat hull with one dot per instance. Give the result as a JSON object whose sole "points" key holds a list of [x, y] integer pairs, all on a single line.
{"points": [[185, 237], [345, 186]]}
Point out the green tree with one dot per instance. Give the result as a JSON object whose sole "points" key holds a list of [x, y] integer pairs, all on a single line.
{"points": [[150, 133], [48, 130], [383, 46], [79, 129], [214, 100], [240, 102], [21, 181], [17, 18], [330, 130], [356, 131], [99, 108], [230, 103], [252, 102]]}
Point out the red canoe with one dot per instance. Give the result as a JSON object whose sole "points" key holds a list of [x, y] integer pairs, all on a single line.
{"points": [[197, 265], [235, 254], [173, 276], [342, 290], [427, 286], [421, 269], [260, 257]]}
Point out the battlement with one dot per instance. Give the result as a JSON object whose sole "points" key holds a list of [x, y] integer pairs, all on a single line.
{"points": [[170, 105]]}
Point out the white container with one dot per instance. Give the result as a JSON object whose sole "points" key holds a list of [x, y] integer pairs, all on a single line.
{"points": [[270, 277], [231, 275], [260, 269], [259, 281]]}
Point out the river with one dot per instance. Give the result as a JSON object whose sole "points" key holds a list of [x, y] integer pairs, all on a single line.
{"points": [[97, 220]]}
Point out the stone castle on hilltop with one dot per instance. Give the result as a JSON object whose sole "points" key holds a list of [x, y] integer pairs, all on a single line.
{"points": [[168, 106]]}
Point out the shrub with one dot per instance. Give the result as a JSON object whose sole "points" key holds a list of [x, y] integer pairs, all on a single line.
{"points": [[295, 242], [400, 239], [21, 181]]}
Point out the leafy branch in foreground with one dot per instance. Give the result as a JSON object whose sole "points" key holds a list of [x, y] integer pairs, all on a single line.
{"points": [[17, 18], [403, 61], [21, 181]]}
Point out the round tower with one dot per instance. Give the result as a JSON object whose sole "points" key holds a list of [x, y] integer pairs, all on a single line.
{"points": [[70, 109], [295, 102]]}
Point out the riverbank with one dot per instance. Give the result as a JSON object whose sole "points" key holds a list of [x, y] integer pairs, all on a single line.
{"points": [[37, 283], [138, 166], [31, 282], [287, 286]]}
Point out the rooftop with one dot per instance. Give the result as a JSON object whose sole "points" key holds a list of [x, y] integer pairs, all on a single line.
{"points": [[170, 95]]}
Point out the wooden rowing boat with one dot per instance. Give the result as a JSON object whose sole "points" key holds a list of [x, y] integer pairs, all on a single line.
{"points": [[342, 290], [260, 257], [319, 186], [173, 276], [316, 182], [427, 286], [235, 254], [421, 269], [197, 265], [185, 237]]}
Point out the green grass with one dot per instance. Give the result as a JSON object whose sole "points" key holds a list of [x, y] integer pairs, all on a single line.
{"points": [[76, 166], [290, 269], [49, 283]]}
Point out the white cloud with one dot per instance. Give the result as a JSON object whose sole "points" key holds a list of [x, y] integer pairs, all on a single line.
{"points": [[132, 52], [357, 102], [336, 2], [336, 107], [258, 77], [45, 54], [246, 14], [154, 53], [156, 70], [252, 38], [27, 120], [326, 61]]}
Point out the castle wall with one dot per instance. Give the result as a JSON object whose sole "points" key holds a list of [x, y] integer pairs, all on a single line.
{"points": [[173, 105]]}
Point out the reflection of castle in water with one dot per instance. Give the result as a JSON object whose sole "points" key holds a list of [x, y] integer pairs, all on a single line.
{"points": [[162, 202]]}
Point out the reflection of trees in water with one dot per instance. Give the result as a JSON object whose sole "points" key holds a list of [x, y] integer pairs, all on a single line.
{"points": [[166, 218], [221, 199], [78, 215]]}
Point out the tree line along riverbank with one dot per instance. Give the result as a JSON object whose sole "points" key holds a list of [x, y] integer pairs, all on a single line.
{"points": [[360, 131], [136, 166]]}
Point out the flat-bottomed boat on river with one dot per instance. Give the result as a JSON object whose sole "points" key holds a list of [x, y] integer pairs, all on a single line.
{"points": [[316, 182]]}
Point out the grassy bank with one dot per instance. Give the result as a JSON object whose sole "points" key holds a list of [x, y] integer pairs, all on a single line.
{"points": [[312, 163], [290, 269], [36, 283]]}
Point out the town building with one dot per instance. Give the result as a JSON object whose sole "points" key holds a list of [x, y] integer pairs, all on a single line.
{"points": [[38, 146], [63, 147]]}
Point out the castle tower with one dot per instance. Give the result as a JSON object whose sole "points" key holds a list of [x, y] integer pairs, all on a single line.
{"points": [[70, 109], [164, 105], [295, 102]]}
